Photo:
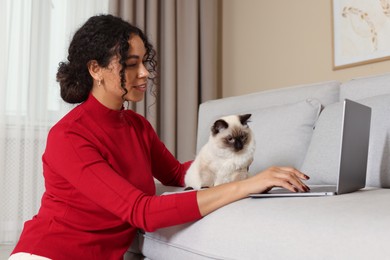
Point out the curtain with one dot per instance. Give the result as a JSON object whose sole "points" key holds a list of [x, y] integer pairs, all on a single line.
{"points": [[37, 34], [185, 35]]}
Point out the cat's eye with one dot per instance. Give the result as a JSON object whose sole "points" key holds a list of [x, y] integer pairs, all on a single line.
{"points": [[230, 139]]}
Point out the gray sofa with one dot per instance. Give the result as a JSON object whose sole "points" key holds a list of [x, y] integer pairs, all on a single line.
{"points": [[298, 126]]}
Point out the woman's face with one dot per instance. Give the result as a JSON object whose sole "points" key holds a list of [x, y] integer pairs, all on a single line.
{"points": [[136, 76]]}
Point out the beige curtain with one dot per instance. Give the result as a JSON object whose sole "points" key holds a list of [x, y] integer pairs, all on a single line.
{"points": [[185, 35]]}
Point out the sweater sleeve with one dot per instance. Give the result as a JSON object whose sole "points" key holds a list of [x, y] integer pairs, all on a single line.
{"points": [[166, 168], [77, 160]]}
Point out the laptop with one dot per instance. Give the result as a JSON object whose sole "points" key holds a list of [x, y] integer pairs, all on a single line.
{"points": [[355, 136]]}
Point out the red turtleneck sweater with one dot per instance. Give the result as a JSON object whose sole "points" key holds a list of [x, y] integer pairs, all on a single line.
{"points": [[99, 166]]}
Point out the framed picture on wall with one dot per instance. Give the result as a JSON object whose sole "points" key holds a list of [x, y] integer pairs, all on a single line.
{"points": [[361, 32]]}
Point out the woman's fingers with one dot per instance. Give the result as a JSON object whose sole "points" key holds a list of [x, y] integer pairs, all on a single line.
{"points": [[289, 178], [296, 172]]}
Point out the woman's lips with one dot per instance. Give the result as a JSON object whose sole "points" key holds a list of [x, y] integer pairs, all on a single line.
{"points": [[141, 87]]}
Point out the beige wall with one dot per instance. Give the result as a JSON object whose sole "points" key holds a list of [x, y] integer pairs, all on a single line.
{"points": [[269, 44]]}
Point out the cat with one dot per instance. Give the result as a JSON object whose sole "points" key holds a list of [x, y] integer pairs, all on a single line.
{"points": [[226, 156]]}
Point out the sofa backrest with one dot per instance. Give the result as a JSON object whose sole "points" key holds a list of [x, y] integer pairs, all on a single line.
{"points": [[209, 111], [365, 87], [297, 107]]}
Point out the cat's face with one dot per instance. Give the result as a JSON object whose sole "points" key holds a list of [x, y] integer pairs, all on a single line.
{"points": [[232, 132]]}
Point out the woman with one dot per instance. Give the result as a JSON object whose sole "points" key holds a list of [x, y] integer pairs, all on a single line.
{"points": [[100, 159]]}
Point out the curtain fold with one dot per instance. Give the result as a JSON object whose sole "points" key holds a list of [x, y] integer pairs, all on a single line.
{"points": [[151, 26], [188, 76], [168, 70], [185, 35]]}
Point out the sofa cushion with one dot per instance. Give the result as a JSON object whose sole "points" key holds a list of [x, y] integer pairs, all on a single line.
{"points": [[378, 168], [322, 159], [365, 87], [283, 133]]}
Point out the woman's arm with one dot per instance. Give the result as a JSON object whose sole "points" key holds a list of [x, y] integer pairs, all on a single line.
{"points": [[219, 196], [78, 173]]}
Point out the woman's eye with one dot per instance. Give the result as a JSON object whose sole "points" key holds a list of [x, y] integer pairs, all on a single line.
{"points": [[131, 65]]}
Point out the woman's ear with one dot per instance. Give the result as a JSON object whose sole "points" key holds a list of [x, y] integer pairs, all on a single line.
{"points": [[95, 70]]}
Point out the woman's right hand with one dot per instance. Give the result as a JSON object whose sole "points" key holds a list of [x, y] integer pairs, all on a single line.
{"points": [[285, 177]]}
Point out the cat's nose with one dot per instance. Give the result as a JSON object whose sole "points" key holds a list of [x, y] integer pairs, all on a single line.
{"points": [[238, 146]]}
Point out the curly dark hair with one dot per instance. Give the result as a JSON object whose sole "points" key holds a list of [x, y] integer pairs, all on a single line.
{"points": [[100, 38]]}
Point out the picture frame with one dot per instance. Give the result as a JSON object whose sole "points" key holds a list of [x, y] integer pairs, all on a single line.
{"points": [[361, 32]]}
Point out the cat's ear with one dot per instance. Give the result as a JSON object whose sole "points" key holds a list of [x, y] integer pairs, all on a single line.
{"points": [[244, 118], [218, 126]]}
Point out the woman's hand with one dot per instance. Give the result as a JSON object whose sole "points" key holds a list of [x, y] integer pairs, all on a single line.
{"points": [[287, 177]]}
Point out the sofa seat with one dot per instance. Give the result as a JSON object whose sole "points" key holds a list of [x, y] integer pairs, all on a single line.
{"points": [[335, 227]]}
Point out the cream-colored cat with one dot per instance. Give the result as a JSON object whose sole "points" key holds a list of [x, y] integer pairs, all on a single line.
{"points": [[226, 156]]}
